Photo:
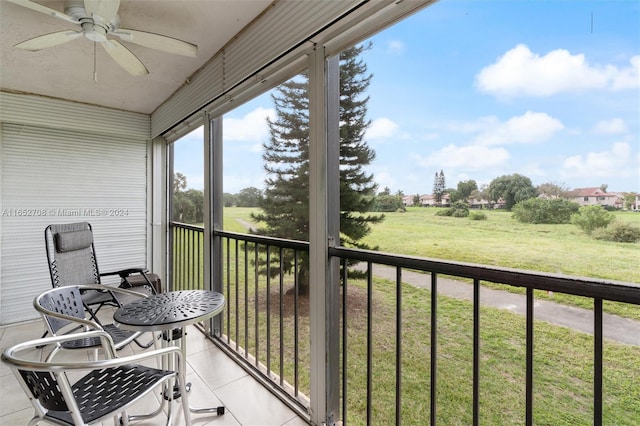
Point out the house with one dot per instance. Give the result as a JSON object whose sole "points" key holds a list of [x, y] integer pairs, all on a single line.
{"points": [[428, 200], [407, 200], [595, 196]]}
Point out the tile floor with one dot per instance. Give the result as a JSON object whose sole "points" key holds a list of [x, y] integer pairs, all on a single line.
{"points": [[216, 380]]}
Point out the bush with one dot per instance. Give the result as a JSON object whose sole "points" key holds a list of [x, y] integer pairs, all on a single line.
{"points": [[458, 209], [542, 210], [589, 218], [618, 231], [477, 216], [388, 203]]}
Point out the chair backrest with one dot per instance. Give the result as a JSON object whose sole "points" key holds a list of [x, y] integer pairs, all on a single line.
{"points": [[62, 300], [44, 387], [71, 254]]}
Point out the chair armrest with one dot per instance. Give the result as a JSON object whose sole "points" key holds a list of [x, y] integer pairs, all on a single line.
{"points": [[111, 289], [10, 355], [125, 272]]}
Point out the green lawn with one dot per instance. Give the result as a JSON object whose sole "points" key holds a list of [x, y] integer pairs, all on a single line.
{"points": [[563, 358], [502, 241]]}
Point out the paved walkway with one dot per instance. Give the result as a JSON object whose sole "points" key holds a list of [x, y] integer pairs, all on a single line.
{"points": [[614, 327]]}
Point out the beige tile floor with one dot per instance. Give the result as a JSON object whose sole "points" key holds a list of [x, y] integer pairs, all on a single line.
{"points": [[216, 380]]}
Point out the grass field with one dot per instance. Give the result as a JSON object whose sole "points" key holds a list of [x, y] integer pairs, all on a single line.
{"points": [[498, 241], [563, 358], [502, 241]]}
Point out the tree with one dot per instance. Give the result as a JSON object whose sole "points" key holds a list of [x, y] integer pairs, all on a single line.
{"points": [[416, 200], [545, 210], [629, 199], [285, 204], [590, 218], [229, 200], [552, 190], [465, 188], [249, 197], [187, 205], [179, 182], [438, 187], [512, 189], [388, 203]]}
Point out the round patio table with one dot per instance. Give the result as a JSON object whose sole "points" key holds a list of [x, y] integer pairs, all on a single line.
{"points": [[168, 312]]}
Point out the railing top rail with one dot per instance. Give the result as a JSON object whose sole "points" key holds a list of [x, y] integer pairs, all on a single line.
{"points": [[187, 226], [580, 286], [261, 239]]}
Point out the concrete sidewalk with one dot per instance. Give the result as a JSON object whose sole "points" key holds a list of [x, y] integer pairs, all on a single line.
{"points": [[616, 328]]}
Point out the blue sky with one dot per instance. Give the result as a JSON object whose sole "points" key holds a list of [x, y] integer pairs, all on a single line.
{"points": [[480, 89]]}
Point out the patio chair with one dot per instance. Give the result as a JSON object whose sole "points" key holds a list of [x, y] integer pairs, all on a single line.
{"points": [[63, 312], [71, 257], [105, 389]]}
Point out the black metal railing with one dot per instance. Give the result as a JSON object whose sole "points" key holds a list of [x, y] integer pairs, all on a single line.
{"points": [[266, 325], [187, 262]]}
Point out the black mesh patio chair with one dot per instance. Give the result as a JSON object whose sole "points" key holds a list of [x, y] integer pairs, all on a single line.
{"points": [[90, 392], [63, 312], [72, 260]]}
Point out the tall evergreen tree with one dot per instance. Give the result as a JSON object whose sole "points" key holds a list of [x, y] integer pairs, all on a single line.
{"points": [[438, 187], [285, 205]]}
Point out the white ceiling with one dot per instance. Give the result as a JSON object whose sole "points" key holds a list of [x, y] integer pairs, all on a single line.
{"points": [[66, 71]]}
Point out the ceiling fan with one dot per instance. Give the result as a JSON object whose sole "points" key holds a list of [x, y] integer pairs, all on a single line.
{"points": [[99, 19]]}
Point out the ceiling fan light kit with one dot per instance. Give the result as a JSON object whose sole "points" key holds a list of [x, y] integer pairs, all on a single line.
{"points": [[99, 19]]}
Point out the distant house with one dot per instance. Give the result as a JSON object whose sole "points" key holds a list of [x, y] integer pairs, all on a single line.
{"points": [[596, 196], [429, 200], [407, 200]]}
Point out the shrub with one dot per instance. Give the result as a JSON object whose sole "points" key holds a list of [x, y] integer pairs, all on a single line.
{"points": [[477, 216], [590, 218], [618, 231], [458, 209], [445, 212], [542, 210], [388, 203]]}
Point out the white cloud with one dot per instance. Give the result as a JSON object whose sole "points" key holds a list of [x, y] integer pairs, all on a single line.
{"points": [[396, 47], [382, 128], [251, 127], [628, 78], [471, 157], [619, 161], [531, 127], [520, 72], [475, 126], [610, 127]]}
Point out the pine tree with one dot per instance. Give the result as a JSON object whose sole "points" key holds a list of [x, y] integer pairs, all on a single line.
{"points": [[285, 205], [438, 187]]}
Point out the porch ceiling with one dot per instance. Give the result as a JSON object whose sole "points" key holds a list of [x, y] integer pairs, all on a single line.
{"points": [[66, 71]]}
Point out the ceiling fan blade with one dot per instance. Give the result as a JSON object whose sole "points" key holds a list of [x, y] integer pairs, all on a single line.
{"points": [[105, 9], [125, 58], [49, 40], [158, 42], [43, 9]]}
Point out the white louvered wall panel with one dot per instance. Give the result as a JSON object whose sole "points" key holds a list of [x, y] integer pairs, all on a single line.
{"points": [[55, 113], [60, 176]]}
